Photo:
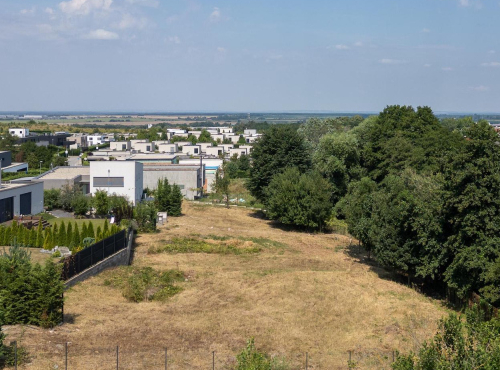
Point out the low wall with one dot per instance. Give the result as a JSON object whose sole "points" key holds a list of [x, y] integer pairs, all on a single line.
{"points": [[120, 258]]}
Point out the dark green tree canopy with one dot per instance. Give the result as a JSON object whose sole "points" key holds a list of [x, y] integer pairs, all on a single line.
{"points": [[280, 147]]}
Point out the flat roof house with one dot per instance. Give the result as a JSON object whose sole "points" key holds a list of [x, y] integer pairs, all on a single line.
{"points": [[20, 199], [118, 177]]}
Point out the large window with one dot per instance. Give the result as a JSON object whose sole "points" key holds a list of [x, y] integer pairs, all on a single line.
{"points": [[113, 182]]}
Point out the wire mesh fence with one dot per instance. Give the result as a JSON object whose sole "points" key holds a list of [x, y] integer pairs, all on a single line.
{"points": [[71, 356]]}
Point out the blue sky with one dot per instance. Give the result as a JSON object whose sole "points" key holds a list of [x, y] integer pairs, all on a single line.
{"points": [[247, 56]]}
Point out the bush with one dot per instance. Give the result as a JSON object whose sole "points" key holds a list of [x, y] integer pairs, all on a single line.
{"points": [[145, 216], [146, 284], [51, 199], [470, 344], [251, 359], [80, 204]]}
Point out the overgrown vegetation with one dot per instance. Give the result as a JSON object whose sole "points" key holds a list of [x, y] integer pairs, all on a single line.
{"points": [[214, 245], [145, 284], [252, 359], [473, 343], [168, 198]]}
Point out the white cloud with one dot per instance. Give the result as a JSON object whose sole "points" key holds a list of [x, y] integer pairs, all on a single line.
{"points": [[490, 64], [467, 3], [215, 16], [84, 7], [151, 3], [129, 21], [220, 49], [426, 30], [447, 69], [101, 34], [358, 44], [171, 19], [491, 52], [49, 11], [427, 65], [341, 47], [31, 10], [392, 61], [480, 88], [174, 39]]}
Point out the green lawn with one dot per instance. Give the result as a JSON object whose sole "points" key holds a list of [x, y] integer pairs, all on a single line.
{"points": [[79, 221]]}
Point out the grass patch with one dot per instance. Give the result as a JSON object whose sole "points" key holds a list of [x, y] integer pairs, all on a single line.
{"points": [[210, 246], [79, 221], [262, 242], [145, 284], [46, 216]]}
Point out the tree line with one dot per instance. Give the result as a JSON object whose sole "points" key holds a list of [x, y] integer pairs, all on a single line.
{"points": [[57, 235], [421, 195]]}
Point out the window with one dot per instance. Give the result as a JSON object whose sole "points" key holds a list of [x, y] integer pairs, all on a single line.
{"points": [[113, 182], [195, 150]]}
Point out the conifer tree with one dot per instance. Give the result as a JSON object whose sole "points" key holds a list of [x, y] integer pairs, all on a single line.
{"points": [[69, 234], [33, 238], [2, 233], [76, 237], [90, 230], [84, 232], [175, 204], [53, 236], [7, 236], [105, 230], [61, 236], [48, 240], [98, 234], [39, 235], [14, 229]]}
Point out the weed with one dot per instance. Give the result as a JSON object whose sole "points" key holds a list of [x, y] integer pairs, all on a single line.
{"points": [[145, 284], [195, 245]]}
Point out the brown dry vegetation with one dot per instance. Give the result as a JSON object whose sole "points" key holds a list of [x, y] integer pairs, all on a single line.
{"points": [[312, 294]]}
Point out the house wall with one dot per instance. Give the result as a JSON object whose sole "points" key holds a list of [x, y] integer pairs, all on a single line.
{"points": [[36, 190], [131, 171], [187, 177], [119, 145]]}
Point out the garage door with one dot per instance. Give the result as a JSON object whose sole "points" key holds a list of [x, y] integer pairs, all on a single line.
{"points": [[25, 206]]}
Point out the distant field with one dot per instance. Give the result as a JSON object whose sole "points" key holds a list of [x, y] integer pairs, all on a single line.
{"points": [[294, 292]]}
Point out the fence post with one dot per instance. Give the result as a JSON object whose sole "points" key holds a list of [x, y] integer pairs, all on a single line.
{"points": [[15, 354], [213, 360], [117, 362], [66, 357], [392, 355], [166, 358], [349, 364], [307, 358], [114, 243]]}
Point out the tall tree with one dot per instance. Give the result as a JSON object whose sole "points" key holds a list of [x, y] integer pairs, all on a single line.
{"points": [[280, 147]]}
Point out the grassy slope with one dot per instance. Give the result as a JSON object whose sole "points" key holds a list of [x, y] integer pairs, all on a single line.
{"points": [[309, 296]]}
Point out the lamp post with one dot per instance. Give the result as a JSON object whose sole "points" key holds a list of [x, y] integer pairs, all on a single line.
{"points": [[41, 167], [108, 181]]}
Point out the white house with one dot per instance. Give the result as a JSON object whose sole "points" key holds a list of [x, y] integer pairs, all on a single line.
{"points": [[238, 152], [191, 149], [95, 140], [168, 148], [250, 132], [19, 132], [214, 151], [117, 177]]}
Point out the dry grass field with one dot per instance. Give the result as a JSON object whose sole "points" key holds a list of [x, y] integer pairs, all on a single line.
{"points": [[301, 293]]}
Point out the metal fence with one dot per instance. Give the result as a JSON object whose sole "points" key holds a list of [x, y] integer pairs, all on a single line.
{"points": [[75, 264], [79, 356]]}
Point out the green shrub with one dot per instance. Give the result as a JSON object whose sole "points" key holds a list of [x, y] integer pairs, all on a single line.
{"points": [[146, 284], [251, 359]]}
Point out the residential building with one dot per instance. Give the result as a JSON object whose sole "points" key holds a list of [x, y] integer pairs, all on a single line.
{"points": [[238, 152], [19, 132], [120, 145], [20, 199], [168, 148], [215, 151], [191, 149], [190, 178], [6, 164], [67, 175], [250, 132], [123, 178], [95, 140]]}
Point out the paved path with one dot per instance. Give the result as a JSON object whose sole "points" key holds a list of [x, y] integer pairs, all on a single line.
{"points": [[74, 161], [59, 213]]}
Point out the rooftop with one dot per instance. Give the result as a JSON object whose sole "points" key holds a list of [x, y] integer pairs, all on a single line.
{"points": [[65, 173]]}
